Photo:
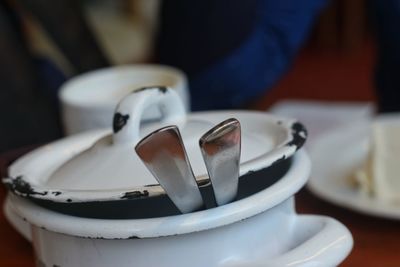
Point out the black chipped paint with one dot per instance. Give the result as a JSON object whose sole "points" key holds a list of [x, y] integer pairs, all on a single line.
{"points": [[111, 238], [155, 206], [135, 194], [56, 193], [298, 127], [119, 121], [151, 185], [199, 183], [204, 182], [21, 187], [299, 135], [250, 172], [162, 89], [279, 160], [69, 200]]}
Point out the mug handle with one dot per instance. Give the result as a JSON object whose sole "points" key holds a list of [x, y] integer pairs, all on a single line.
{"points": [[130, 110], [328, 247]]}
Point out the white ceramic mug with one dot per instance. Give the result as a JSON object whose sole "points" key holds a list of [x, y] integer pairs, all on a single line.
{"points": [[88, 100]]}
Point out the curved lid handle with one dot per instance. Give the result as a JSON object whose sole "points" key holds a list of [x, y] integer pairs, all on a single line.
{"points": [[129, 112]]}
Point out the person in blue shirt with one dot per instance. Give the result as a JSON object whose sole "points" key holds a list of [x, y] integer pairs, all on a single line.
{"points": [[233, 50]]}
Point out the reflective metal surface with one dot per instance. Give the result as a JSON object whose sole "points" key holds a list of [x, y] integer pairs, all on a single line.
{"points": [[164, 155], [220, 147]]}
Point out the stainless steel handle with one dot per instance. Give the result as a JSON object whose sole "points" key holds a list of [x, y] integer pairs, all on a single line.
{"points": [[164, 155], [221, 147]]}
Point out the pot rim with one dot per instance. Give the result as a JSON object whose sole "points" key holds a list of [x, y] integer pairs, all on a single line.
{"points": [[284, 188], [21, 183], [33, 186]]}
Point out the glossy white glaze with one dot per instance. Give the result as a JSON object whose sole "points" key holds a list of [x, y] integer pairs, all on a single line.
{"points": [[261, 230], [276, 237]]}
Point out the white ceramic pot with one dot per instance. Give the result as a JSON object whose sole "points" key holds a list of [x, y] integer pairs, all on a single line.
{"points": [[260, 230], [88, 100], [77, 170]]}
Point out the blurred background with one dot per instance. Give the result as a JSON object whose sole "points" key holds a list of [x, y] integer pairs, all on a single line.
{"points": [[246, 54]]}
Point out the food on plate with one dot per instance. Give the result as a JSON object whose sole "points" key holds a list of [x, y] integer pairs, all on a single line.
{"points": [[380, 175]]}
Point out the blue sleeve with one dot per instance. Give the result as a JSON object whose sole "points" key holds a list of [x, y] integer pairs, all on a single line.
{"points": [[259, 59]]}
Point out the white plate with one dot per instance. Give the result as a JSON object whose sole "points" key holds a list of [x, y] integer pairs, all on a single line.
{"points": [[335, 156]]}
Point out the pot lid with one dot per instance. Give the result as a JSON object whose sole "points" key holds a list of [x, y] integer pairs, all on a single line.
{"points": [[110, 169]]}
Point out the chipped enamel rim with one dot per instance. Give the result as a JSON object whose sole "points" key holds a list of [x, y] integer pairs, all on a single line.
{"points": [[30, 182], [286, 187], [24, 185]]}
